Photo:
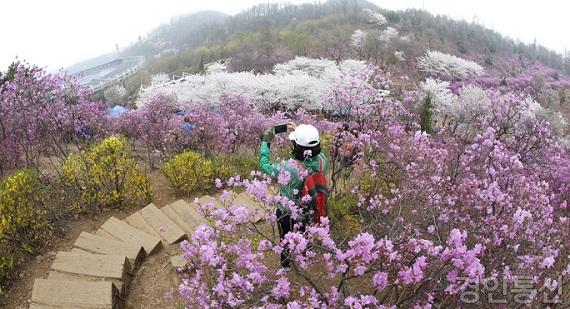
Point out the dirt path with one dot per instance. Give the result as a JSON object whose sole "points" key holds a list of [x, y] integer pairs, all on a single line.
{"points": [[153, 281]]}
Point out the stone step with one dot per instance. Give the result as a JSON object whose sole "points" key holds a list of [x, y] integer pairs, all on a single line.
{"points": [[161, 224], [77, 250], [127, 233], [188, 212], [172, 215], [177, 261], [253, 199], [206, 199], [36, 306], [260, 206], [100, 245], [91, 267], [105, 234], [246, 200], [74, 294], [56, 275], [255, 203], [136, 220]]}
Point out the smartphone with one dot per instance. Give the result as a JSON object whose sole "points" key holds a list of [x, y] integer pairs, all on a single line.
{"points": [[280, 128]]}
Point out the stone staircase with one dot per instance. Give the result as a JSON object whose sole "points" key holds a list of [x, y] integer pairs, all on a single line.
{"points": [[96, 273]]}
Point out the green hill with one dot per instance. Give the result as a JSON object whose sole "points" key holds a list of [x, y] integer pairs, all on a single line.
{"points": [[266, 34]]}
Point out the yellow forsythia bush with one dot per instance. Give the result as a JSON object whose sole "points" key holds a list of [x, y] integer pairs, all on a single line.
{"points": [[23, 218], [237, 164], [107, 176], [190, 172]]}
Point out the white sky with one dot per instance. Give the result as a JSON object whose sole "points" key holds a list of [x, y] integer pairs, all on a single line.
{"points": [[58, 33]]}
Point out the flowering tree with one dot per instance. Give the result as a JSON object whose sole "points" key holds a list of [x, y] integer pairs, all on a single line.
{"points": [[400, 55], [38, 113], [388, 35], [115, 94], [374, 17], [356, 96], [448, 66], [157, 125], [312, 67], [216, 67], [462, 111], [443, 100], [358, 38]]}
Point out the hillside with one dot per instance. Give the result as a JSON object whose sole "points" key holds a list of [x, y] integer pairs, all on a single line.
{"points": [[181, 33], [266, 34]]}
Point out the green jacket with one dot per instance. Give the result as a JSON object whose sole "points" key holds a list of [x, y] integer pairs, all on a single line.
{"points": [[273, 169]]}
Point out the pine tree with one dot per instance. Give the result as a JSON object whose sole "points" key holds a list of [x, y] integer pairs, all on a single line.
{"points": [[426, 115]]}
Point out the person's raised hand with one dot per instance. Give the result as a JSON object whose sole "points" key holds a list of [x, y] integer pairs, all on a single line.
{"points": [[291, 127], [268, 135]]}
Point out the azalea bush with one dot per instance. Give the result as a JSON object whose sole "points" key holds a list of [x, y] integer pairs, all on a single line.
{"points": [[157, 126], [233, 125], [226, 267], [41, 114], [106, 176]]}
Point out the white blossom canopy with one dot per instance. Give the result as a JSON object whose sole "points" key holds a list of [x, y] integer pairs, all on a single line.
{"points": [[301, 82]]}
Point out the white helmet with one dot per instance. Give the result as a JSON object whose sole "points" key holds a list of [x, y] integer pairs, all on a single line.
{"points": [[305, 135]]}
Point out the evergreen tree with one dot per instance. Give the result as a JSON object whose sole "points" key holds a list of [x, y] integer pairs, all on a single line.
{"points": [[426, 115]]}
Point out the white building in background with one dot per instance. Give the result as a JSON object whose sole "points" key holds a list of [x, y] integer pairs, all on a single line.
{"points": [[104, 75]]}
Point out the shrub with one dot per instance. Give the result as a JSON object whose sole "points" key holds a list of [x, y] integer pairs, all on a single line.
{"points": [[107, 176], [344, 216], [236, 164], [190, 171], [23, 220]]}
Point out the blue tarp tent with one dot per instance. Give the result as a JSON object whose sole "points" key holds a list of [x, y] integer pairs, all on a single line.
{"points": [[116, 111], [187, 127]]}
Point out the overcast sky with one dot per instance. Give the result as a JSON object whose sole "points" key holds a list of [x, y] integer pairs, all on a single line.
{"points": [[58, 33]]}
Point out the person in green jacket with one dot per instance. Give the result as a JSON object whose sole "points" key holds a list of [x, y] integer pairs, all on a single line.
{"points": [[306, 155]]}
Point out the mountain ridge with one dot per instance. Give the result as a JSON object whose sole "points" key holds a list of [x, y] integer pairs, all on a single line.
{"points": [[263, 35]]}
